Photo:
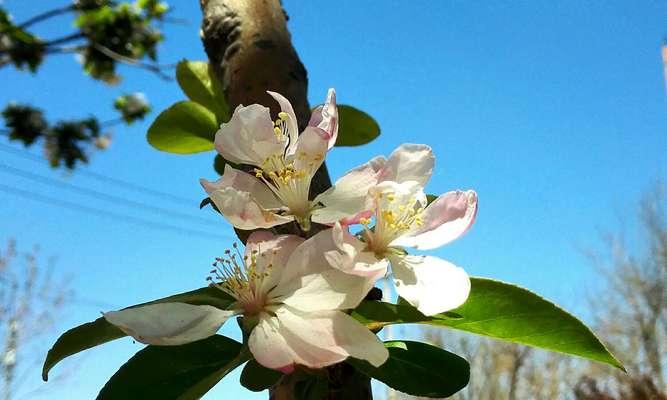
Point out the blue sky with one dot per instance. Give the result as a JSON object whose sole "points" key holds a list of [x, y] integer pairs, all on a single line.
{"points": [[555, 113]]}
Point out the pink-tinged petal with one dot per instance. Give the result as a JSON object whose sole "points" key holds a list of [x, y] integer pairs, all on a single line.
{"points": [[409, 162], [325, 118], [327, 290], [169, 324], [269, 347], [271, 253], [430, 284], [325, 338], [248, 137], [291, 122], [444, 220], [311, 149], [350, 256], [347, 199], [243, 211], [244, 182]]}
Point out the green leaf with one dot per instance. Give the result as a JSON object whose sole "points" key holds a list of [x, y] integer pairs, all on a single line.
{"points": [[419, 369], [430, 198], [94, 333], [175, 372], [184, 128], [502, 311], [198, 82], [355, 127], [257, 378]]}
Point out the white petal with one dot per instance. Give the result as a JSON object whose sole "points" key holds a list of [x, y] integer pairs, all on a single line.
{"points": [[348, 196], [248, 137], [431, 284], [350, 256], [325, 338], [444, 220], [291, 122], [270, 250], [269, 347], [325, 118], [243, 211], [311, 148], [169, 324], [409, 162], [243, 182], [327, 290]]}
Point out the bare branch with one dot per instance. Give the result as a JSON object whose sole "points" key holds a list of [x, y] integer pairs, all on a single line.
{"points": [[46, 15], [157, 69]]}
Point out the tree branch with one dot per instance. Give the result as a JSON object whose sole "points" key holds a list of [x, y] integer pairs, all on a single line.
{"points": [[155, 68], [46, 15]]}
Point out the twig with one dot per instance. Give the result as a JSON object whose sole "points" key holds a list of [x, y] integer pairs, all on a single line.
{"points": [[47, 15], [65, 39], [155, 68]]}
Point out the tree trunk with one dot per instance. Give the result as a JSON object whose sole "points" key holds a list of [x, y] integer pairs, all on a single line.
{"points": [[250, 49]]}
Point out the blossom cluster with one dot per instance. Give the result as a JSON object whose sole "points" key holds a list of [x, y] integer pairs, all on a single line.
{"points": [[295, 291]]}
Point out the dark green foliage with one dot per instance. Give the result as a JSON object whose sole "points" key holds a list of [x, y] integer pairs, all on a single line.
{"points": [[174, 372], [26, 124], [419, 369], [21, 47], [132, 107], [256, 378]]}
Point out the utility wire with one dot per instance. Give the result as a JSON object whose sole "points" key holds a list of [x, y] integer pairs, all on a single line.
{"points": [[109, 214], [103, 178], [102, 195]]}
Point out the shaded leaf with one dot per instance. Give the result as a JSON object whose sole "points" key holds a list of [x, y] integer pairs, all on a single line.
{"points": [[184, 128], [419, 369], [257, 378], [175, 372], [198, 82], [502, 311], [355, 127], [94, 333]]}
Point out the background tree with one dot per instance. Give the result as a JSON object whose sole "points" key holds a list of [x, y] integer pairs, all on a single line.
{"points": [[31, 300], [107, 33]]}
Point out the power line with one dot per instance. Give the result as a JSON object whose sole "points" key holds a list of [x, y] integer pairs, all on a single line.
{"points": [[108, 214], [100, 177], [101, 195]]}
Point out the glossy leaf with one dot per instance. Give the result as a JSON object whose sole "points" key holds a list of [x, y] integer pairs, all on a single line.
{"points": [[184, 128], [175, 372], [419, 369], [94, 333], [257, 378], [198, 82], [501, 311], [355, 127]]}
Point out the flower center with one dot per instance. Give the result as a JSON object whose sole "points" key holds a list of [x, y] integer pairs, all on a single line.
{"points": [[394, 216], [242, 277], [289, 177]]}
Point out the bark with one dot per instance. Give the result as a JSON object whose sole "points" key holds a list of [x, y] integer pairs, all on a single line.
{"points": [[248, 44], [250, 49]]}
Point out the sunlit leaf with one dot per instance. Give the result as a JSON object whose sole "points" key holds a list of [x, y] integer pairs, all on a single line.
{"points": [[501, 311], [184, 128], [198, 82]]}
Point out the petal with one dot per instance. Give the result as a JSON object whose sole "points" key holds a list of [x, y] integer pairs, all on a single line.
{"points": [[169, 324], [431, 284], [311, 148], [347, 198], [248, 137], [325, 118], [269, 347], [243, 182], [444, 220], [325, 338], [349, 256], [409, 162], [270, 253], [291, 122], [327, 290], [243, 211]]}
